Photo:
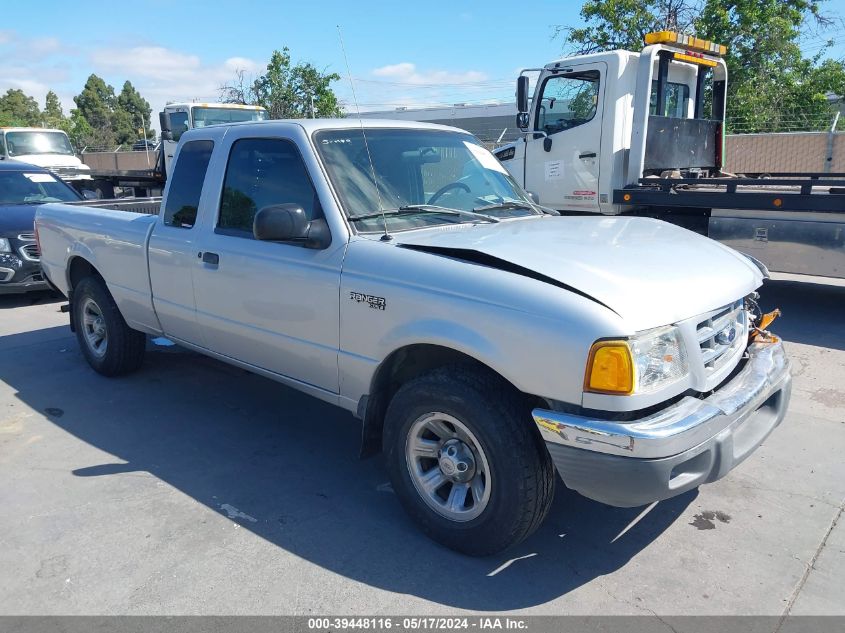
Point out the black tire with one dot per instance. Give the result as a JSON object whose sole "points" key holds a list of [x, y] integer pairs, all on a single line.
{"points": [[104, 189], [124, 349], [521, 469]]}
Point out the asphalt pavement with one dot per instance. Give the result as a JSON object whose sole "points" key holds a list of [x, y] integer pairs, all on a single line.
{"points": [[192, 487]]}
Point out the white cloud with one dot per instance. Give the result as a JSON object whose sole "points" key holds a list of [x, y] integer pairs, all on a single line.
{"points": [[405, 84], [43, 46], [163, 74], [407, 73]]}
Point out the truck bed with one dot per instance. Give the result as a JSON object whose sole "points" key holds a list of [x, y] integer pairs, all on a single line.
{"points": [[113, 238]]}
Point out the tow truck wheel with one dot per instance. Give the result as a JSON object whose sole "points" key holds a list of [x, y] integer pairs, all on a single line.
{"points": [[466, 461], [110, 346]]}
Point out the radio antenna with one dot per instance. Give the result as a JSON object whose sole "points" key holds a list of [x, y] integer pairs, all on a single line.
{"points": [[386, 237]]}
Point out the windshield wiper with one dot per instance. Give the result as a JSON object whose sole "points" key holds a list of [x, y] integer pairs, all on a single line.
{"points": [[505, 204], [426, 208]]}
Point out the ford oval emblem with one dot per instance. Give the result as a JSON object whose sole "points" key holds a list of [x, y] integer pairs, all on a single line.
{"points": [[726, 336]]}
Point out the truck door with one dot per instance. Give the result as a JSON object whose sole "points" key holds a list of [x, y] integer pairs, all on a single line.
{"points": [[562, 167], [173, 244], [273, 305], [180, 121]]}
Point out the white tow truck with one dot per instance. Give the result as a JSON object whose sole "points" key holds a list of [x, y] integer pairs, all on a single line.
{"points": [[176, 118], [643, 133]]}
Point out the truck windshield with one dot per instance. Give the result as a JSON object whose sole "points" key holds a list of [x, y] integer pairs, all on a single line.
{"points": [[38, 142], [439, 172], [24, 187], [215, 116]]}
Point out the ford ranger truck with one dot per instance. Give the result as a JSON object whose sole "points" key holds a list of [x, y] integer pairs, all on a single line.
{"points": [[397, 271]]}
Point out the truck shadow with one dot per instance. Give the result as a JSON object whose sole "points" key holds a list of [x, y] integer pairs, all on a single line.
{"points": [[812, 313], [7, 302], [285, 465]]}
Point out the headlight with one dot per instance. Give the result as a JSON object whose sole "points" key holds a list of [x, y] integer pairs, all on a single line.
{"points": [[5, 247], [642, 364]]}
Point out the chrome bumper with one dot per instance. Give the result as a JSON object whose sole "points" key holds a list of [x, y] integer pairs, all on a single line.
{"points": [[688, 423]]}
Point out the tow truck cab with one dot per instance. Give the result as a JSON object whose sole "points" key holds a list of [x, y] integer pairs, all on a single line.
{"points": [[602, 121]]}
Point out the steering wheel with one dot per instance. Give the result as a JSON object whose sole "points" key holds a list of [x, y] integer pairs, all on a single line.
{"points": [[445, 188]]}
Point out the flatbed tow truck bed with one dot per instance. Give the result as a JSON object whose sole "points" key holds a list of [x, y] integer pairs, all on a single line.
{"points": [[787, 191]]}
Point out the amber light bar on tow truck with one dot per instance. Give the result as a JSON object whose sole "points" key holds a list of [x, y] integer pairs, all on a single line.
{"points": [[687, 41]]}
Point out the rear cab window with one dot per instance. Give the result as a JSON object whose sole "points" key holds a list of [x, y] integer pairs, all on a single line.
{"points": [[183, 197]]}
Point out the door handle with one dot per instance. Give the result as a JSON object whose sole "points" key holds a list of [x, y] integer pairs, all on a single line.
{"points": [[587, 155], [211, 258]]}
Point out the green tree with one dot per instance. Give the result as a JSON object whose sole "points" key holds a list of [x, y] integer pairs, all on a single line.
{"points": [[771, 85], [623, 24], [96, 105], [78, 130], [52, 115], [19, 109], [287, 91], [131, 115]]}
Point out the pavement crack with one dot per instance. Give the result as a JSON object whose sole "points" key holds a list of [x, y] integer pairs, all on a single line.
{"points": [[809, 567]]}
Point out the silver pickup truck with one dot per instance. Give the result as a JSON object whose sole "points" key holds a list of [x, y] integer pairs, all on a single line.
{"points": [[397, 271]]}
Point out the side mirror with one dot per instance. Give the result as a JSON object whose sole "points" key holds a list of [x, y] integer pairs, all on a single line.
{"points": [[522, 94], [87, 194], [164, 123], [288, 223], [534, 197]]}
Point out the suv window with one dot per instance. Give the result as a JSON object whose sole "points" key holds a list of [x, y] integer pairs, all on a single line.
{"points": [[263, 172], [568, 101], [178, 124], [183, 197]]}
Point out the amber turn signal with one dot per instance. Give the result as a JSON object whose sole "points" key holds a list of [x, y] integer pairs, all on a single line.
{"points": [[610, 368]]}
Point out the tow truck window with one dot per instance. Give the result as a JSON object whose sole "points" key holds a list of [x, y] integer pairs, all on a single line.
{"points": [[677, 98], [217, 116], [178, 124], [568, 101], [263, 172], [183, 197]]}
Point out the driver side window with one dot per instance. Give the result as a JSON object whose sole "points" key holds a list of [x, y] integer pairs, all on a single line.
{"points": [[568, 101]]}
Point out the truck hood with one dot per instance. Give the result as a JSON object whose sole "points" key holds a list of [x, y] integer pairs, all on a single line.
{"points": [[17, 218], [649, 272], [51, 160]]}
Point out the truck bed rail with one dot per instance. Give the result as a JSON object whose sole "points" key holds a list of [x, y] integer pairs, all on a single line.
{"points": [[148, 206]]}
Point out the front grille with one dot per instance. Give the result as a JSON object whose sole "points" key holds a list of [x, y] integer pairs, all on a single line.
{"points": [[27, 237], [31, 252], [721, 335]]}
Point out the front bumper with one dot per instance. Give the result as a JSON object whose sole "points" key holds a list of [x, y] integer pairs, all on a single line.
{"points": [[18, 275], [692, 442]]}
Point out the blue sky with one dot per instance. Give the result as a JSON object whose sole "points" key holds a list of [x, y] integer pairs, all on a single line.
{"points": [[401, 53]]}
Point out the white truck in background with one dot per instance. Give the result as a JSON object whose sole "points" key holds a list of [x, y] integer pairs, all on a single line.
{"points": [[642, 133], [175, 119], [46, 148]]}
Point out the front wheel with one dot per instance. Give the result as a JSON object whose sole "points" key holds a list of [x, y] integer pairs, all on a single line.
{"points": [[109, 345], [466, 461]]}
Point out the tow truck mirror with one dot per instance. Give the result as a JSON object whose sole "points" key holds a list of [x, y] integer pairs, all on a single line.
{"points": [[522, 94], [288, 223], [164, 123]]}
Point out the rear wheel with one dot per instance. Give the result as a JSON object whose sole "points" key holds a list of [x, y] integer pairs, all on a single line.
{"points": [[109, 345], [466, 461]]}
